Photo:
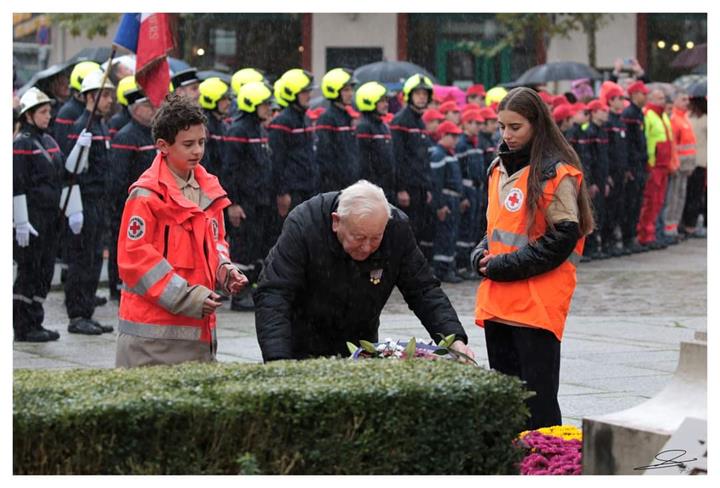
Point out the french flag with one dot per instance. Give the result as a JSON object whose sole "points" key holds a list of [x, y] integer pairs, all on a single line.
{"points": [[150, 38]]}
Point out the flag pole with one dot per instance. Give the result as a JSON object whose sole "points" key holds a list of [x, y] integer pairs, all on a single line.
{"points": [[73, 175]]}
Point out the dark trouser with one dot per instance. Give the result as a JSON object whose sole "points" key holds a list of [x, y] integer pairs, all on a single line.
{"points": [[84, 260], [633, 203], [533, 355], [35, 266], [422, 220], [250, 242], [467, 229], [114, 281], [444, 245], [696, 198], [614, 209], [599, 210]]}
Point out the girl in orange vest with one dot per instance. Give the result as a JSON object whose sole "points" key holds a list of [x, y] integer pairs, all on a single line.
{"points": [[538, 215]]}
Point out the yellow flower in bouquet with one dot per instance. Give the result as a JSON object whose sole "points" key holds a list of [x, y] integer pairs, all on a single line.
{"points": [[567, 432]]}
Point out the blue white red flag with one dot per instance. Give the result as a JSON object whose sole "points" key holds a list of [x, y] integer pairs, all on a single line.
{"points": [[150, 38]]}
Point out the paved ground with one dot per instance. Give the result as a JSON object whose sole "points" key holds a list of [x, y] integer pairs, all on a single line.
{"points": [[620, 348]]}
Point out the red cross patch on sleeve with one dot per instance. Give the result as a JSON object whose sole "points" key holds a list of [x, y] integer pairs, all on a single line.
{"points": [[136, 228]]}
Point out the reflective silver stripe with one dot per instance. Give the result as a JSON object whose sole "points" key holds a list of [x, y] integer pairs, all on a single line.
{"points": [[426, 244], [173, 292], [574, 258], [22, 298], [140, 192], [155, 274], [509, 238], [150, 331], [443, 258], [244, 267], [468, 182], [38, 299], [685, 147], [452, 193], [464, 244]]}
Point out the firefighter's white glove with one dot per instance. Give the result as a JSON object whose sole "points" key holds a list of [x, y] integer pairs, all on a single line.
{"points": [[80, 150], [84, 139], [75, 221], [22, 233]]}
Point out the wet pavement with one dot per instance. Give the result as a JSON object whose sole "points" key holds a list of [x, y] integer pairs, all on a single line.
{"points": [[620, 347]]}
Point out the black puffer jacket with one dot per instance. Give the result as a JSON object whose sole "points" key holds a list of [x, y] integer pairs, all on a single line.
{"points": [[377, 161], [37, 169], [336, 150], [312, 297], [534, 258]]}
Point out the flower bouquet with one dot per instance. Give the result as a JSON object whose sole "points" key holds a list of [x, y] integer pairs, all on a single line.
{"points": [[552, 450], [407, 350]]}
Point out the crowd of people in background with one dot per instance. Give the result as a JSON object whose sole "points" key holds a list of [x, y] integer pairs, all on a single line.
{"points": [[643, 153]]}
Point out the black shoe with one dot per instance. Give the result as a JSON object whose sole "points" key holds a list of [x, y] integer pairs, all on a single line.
{"points": [[634, 247], [450, 277], [468, 275], [625, 251], [41, 335], [655, 245], [242, 303], [115, 296], [100, 301], [54, 335], [104, 328], [83, 326], [672, 240]]}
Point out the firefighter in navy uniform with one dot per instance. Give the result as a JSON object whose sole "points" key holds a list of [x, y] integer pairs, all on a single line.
{"points": [[84, 250], [248, 181], [447, 198], [37, 180], [597, 180], [186, 83], [122, 116], [618, 166], [74, 106], [336, 153], [412, 143], [132, 151], [472, 164], [636, 174], [376, 157], [215, 101], [291, 143], [238, 79]]}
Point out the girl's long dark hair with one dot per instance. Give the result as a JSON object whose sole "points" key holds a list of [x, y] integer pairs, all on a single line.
{"points": [[547, 142]]}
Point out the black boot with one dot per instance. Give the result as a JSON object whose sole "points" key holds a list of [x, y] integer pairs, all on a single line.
{"points": [[80, 325]]}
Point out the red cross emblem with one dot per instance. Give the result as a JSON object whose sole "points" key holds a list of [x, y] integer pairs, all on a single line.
{"points": [[514, 200], [136, 228]]}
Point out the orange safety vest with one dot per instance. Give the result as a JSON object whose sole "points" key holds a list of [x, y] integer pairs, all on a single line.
{"points": [[683, 135], [541, 301], [167, 243]]}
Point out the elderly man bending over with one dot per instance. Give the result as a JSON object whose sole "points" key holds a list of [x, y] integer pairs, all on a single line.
{"points": [[326, 280]]}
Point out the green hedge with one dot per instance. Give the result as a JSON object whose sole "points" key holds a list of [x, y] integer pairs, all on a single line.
{"points": [[324, 416]]}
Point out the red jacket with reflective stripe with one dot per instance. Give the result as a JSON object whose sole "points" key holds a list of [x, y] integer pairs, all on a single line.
{"points": [[541, 301], [167, 243]]}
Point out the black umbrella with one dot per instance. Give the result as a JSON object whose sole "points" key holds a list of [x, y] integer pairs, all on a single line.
{"points": [[390, 72], [177, 65], [698, 89], [563, 70], [41, 76], [690, 58], [98, 54], [204, 75]]}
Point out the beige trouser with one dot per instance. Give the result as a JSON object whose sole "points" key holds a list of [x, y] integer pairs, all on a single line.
{"points": [[140, 351]]}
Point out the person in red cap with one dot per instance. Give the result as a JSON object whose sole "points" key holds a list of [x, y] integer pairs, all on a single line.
{"points": [[547, 98], [636, 174], [432, 119], [597, 176], [488, 140], [472, 167], [450, 111], [617, 173], [447, 195], [475, 95], [559, 100], [576, 135], [562, 115]]}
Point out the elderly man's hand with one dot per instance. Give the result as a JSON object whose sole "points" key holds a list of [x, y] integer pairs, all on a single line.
{"points": [[460, 347]]}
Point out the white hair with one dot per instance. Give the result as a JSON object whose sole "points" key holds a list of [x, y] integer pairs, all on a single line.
{"points": [[362, 199]]}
